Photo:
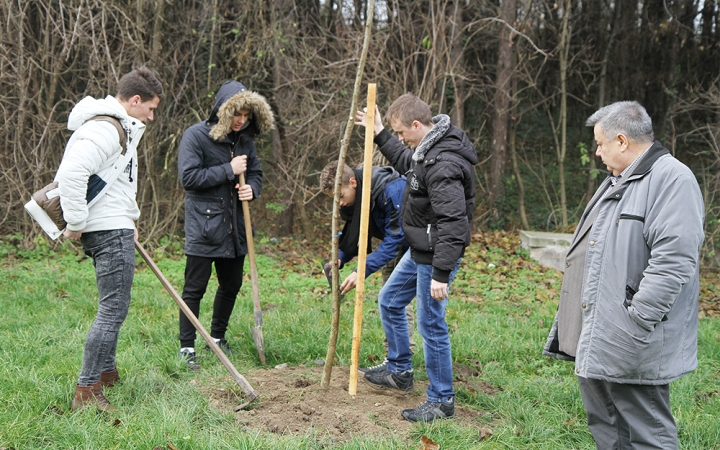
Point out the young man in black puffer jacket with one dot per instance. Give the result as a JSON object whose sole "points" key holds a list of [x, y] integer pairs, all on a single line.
{"points": [[437, 212]]}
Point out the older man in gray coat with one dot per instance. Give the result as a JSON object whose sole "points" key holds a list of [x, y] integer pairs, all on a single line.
{"points": [[628, 312]]}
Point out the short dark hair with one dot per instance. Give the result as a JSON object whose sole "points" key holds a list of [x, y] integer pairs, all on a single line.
{"points": [[628, 118], [327, 176], [141, 81], [409, 108]]}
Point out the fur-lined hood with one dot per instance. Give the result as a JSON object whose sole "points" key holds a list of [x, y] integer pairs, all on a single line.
{"points": [[233, 96]]}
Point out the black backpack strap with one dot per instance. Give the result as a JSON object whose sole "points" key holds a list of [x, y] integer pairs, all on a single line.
{"points": [[114, 121]]}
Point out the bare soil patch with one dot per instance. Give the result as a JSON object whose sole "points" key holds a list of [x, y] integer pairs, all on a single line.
{"points": [[292, 402]]}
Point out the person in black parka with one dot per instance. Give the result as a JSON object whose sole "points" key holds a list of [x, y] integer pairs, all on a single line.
{"points": [[212, 155]]}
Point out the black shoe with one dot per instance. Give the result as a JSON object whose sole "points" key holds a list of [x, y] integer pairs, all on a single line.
{"points": [[373, 368], [224, 346], [429, 411], [383, 378], [190, 360]]}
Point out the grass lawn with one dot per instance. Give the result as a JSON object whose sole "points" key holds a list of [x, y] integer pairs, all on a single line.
{"points": [[499, 318]]}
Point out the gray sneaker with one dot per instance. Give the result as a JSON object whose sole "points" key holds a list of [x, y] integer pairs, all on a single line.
{"points": [[383, 378], [429, 411], [373, 368], [190, 360]]}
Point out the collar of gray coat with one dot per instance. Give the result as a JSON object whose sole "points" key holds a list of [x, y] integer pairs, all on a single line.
{"points": [[442, 124]]}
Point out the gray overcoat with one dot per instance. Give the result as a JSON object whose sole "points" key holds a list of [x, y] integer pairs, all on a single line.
{"points": [[638, 286]]}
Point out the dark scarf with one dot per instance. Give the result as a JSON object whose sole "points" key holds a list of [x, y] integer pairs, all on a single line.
{"points": [[350, 238]]}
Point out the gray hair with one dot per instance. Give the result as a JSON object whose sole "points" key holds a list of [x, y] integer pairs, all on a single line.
{"points": [[628, 118]]}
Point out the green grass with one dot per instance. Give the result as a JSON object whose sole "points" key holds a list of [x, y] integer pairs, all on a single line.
{"points": [[499, 319]]}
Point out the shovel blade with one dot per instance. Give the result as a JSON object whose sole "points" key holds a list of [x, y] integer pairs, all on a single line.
{"points": [[257, 335], [327, 270]]}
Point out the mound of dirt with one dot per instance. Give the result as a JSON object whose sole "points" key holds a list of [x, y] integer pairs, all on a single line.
{"points": [[292, 402]]}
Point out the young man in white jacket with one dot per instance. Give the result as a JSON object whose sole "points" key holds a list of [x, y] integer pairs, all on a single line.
{"points": [[107, 228]]}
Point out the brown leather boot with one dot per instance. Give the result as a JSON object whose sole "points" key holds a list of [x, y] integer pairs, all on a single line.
{"points": [[110, 378], [91, 395]]}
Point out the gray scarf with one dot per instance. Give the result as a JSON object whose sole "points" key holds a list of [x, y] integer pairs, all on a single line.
{"points": [[442, 124]]}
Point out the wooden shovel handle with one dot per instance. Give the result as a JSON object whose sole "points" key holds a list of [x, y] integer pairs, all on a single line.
{"points": [[250, 393], [253, 274]]}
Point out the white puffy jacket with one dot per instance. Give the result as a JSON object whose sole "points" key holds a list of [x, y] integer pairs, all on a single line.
{"points": [[94, 148]]}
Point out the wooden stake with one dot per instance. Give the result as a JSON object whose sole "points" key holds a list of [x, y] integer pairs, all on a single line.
{"points": [[362, 243], [250, 393]]}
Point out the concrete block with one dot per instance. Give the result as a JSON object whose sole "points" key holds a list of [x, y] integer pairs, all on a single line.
{"points": [[531, 239], [549, 249]]}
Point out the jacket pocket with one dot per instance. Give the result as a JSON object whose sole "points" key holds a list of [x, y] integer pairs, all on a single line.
{"points": [[207, 222], [622, 346], [429, 237], [626, 216], [629, 294]]}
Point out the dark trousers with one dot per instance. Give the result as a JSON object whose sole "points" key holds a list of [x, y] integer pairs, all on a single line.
{"points": [[229, 273], [629, 416]]}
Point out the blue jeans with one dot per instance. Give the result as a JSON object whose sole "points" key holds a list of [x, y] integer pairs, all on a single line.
{"points": [[113, 255], [407, 281]]}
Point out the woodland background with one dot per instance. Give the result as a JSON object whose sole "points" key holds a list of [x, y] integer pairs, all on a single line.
{"points": [[520, 76]]}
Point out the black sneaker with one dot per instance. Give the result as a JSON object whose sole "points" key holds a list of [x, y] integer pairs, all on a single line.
{"points": [[224, 346], [429, 411], [373, 368], [190, 360], [383, 378]]}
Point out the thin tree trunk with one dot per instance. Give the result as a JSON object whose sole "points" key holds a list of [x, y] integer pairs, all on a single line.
{"points": [[602, 82], [457, 62], [524, 222], [344, 145], [211, 50], [518, 177], [501, 101], [157, 34], [281, 146], [138, 31], [564, 52]]}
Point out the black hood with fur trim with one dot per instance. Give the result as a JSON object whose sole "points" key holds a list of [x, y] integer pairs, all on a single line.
{"points": [[231, 97]]}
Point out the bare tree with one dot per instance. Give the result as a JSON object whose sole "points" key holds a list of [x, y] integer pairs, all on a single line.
{"points": [[301, 55], [563, 56], [503, 96]]}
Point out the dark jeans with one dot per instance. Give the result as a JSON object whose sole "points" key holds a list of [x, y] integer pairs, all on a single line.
{"points": [[197, 274], [113, 255]]}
